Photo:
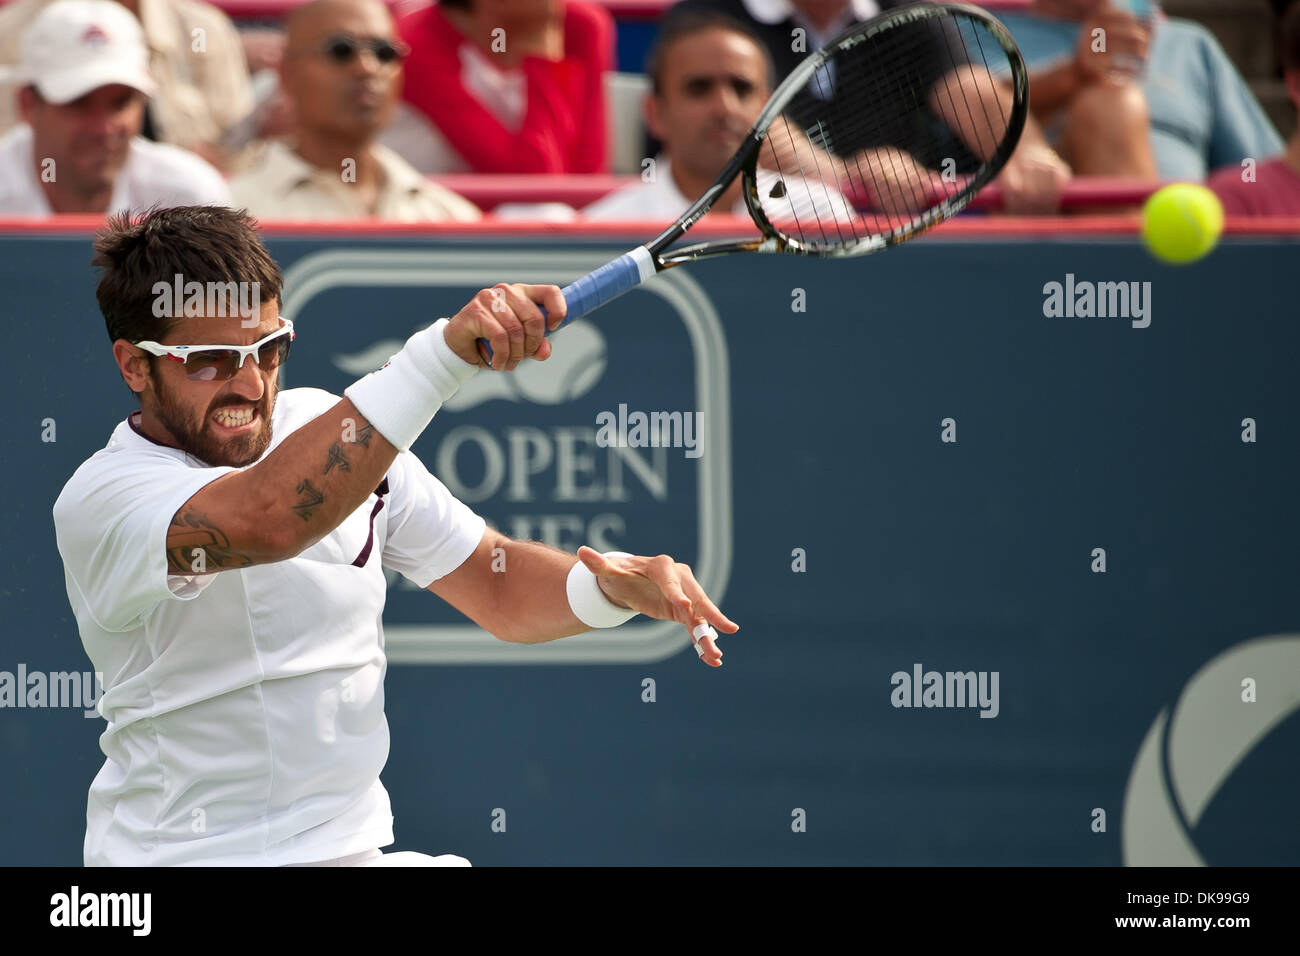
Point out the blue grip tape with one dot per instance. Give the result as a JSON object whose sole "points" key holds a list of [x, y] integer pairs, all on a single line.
{"points": [[597, 288]]}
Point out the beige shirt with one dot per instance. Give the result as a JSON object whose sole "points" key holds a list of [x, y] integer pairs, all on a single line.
{"points": [[195, 57], [282, 185]]}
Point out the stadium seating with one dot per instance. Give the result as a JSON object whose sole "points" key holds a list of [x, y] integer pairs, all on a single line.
{"points": [[1245, 29]]}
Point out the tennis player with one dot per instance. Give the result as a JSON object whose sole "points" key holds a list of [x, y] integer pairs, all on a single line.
{"points": [[224, 557]]}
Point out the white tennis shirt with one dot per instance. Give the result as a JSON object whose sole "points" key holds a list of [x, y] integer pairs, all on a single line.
{"points": [[245, 708]]}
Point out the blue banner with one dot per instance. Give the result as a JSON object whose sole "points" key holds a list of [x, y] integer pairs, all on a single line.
{"points": [[1009, 528]]}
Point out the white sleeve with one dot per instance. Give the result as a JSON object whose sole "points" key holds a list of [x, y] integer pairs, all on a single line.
{"points": [[111, 525], [430, 532]]}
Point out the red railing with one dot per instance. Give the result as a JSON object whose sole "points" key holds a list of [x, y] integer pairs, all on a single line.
{"points": [[487, 191]]}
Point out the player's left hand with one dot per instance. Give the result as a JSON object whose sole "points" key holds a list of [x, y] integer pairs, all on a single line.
{"points": [[665, 589]]}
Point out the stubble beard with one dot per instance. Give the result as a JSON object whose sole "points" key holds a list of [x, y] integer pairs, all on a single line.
{"points": [[237, 451]]}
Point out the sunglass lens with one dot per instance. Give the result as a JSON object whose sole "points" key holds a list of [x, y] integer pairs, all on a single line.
{"points": [[214, 365], [341, 51], [273, 355], [386, 53]]}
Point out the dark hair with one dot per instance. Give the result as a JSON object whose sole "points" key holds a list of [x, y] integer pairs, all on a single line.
{"points": [[205, 244], [201, 243], [681, 25], [1289, 47]]}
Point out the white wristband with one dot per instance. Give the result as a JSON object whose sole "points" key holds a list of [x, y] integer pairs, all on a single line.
{"points": [[402, 397], [589, 603]]}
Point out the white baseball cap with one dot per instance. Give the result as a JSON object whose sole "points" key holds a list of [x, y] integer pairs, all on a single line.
{"points": [[76, 46]]}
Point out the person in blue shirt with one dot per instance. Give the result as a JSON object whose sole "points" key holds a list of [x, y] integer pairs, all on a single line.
{"points": [[1097, 93]]}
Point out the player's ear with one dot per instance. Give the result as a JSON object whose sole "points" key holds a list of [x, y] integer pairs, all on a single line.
{"points": [[134, 365]]}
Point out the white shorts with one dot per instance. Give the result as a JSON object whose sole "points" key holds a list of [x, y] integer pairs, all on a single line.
{"points": [[401, 858]]}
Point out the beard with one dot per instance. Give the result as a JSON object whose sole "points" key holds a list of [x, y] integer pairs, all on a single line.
{"points": [[202, 442]]}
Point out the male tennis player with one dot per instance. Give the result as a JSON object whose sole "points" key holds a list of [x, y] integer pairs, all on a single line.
{"points": [[224, 557]]}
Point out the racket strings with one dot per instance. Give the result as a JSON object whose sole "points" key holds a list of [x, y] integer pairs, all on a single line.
{"points": [[824, 214], [970, 81], [890, 127]]}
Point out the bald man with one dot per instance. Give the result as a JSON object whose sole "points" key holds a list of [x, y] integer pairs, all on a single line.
{"points": [[342, 71]]}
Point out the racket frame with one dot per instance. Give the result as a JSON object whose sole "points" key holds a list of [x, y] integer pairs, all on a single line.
{"points": [[625, 273], [745, 162]]}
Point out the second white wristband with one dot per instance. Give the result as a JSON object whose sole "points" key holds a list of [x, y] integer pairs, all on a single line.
{"points": [[589, 603]]}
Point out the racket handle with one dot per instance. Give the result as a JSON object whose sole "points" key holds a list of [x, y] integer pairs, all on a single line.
{"points": [[597, 288]]}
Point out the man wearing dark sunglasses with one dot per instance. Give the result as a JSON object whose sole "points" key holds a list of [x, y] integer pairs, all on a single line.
{"points": [[225, 553], [342, 73]]}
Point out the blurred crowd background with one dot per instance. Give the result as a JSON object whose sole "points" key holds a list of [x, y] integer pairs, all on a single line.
{"points": [[579, 109]]}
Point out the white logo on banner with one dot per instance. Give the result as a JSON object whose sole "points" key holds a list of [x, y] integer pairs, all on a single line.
{"points": [[1228, 707]]}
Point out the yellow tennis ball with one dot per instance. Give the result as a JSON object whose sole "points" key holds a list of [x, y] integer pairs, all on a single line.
{"points": [[1181, 223]]}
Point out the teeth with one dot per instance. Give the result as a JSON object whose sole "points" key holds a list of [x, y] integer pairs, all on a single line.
{"points": [[234, 419]]}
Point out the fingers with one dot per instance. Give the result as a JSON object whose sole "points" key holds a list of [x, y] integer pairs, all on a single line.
{"points": [[706, 644], [550, 298], [664, 589], [527, 335], [692, 607], [526, 303], [486, 317], [663, 572], [703, 604], [510, 317]]}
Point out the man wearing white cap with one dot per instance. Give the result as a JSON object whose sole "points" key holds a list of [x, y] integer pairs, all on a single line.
{"points": [[84, 75], [196, 58]]}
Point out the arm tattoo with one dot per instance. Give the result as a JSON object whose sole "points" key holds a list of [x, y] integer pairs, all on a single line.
{"points": [[364, 436], [191, 532], [337, 458], [311, 500]]}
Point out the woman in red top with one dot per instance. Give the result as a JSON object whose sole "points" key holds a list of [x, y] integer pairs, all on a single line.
{"points": [[513, 86]]}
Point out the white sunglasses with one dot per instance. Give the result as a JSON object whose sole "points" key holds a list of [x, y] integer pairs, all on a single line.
{"points": [[219, 363]]}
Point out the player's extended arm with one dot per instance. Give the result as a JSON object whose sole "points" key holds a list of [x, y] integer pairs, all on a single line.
{"points": [[515, 590], [291, 499], [326, 469]]}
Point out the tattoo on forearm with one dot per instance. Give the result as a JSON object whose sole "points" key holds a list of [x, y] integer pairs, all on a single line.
{"points": [[195, 544], [364, 435], [311, 499], [337, 458]]}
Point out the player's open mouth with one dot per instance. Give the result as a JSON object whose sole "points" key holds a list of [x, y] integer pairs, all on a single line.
{"points": [[235, 420]]}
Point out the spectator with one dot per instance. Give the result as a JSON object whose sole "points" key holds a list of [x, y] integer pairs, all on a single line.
{"points": [[710, 76], [1032, 180], [342, 70], [195, 57], [791, 29], [506, 86], [84, 77], [1274, 187], [1196, 110]]}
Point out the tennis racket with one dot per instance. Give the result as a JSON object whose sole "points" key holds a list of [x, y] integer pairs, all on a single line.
{"points": [[891, 128]]}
